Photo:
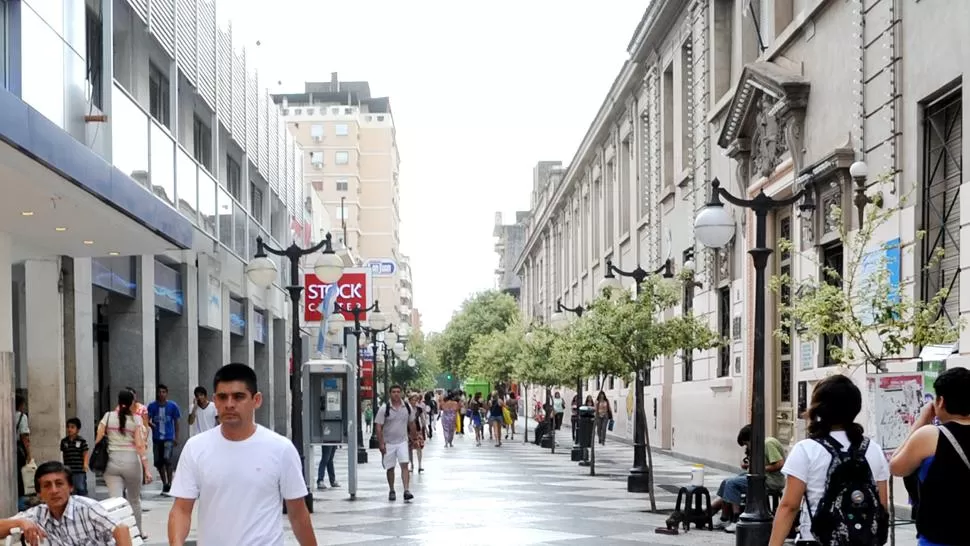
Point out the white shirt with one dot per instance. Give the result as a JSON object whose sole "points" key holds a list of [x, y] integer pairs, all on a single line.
{"points": [[809, 462], [240, 486], [205, 418]]}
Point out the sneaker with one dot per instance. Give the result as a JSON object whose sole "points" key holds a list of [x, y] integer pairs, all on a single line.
{"points": [[166, 488], [720, 524], [321, 485], [334, 484], [407, 495], [392, 496], [730, 527]]}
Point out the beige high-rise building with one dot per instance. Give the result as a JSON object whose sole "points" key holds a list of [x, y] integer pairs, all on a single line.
{"points": [[351, 163]]}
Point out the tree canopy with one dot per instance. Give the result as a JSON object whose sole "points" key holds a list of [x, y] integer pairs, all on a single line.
{"points": [[479, 315]]}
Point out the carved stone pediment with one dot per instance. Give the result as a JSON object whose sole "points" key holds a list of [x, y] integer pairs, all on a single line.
{"points": [[766, 119]]}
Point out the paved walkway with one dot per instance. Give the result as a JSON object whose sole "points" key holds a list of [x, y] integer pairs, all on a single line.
{"points": [[516, 494]]}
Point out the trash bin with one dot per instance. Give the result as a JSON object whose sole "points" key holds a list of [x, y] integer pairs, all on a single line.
{"points": [[586, 427]]}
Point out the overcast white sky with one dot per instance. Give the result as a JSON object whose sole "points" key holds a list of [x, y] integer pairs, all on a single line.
{"points": [[479, 91]]}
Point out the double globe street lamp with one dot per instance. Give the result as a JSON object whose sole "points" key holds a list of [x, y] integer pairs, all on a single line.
{"points": [[714, 227], [262, 271], [639, 479]]}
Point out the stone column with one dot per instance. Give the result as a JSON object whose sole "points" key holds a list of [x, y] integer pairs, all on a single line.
{"points": [[263, 364], [131, 335], [178, 344], [79, 369], [45, 358], [8, 449], [281, 376]]}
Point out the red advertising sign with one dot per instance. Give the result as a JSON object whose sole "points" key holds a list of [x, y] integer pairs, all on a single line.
{"points": [[352, 292], [366, 379]]}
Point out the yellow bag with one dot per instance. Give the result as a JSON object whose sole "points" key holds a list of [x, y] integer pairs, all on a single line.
{"points": [[506, 415]]}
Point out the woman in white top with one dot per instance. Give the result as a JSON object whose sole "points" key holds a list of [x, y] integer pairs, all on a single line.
{"points": [[127, 468], [836, 401]]}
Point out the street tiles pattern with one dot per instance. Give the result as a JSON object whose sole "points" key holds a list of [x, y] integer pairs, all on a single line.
{"points": [[516, 494]]}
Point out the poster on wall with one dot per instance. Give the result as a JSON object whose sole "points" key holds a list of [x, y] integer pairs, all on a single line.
{"points": [[895, 401], [630, 404]]}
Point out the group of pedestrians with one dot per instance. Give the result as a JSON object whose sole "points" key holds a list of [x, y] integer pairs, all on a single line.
{"points": [[499, 411]]}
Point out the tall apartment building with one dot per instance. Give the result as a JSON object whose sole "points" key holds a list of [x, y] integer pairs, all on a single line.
{"points": [[698, 99], [141, 159], [351, 163], [407, 290], [509, 242]]}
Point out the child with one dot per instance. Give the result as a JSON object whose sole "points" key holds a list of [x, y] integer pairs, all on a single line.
{"points": [[368, 417], [74, 450]]}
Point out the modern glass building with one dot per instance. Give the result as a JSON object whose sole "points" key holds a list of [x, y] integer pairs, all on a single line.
{"points": [[140, 157]]}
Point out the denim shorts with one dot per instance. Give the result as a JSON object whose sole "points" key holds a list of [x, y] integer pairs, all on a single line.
{"points": [[734, 488]]}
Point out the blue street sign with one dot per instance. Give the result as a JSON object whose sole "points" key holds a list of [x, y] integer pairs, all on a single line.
{"points": [[382, 268]]}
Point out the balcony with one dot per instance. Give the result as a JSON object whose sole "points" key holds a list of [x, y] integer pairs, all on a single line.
{"points": [[144, 149], [500, 246]]}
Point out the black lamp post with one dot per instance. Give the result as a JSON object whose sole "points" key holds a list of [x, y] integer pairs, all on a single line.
{"points": [[395, 355], [639, 479], [577, 453], [262, 272], [714, 228], [374, 443], [357, 312]]}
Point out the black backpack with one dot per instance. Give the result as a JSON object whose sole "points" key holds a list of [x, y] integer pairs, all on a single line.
{"points": [[387, 409], [850, 512]]}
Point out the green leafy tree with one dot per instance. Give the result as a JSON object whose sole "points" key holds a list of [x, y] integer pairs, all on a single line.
{"points": [[620, 335], [493, 356], [422, 376], [866, 303], [480, 315]]}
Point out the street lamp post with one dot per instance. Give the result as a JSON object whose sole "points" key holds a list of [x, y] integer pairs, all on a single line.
{"points": [[262, 271], [639, 479], [577, 453], [376, 320], [714, 228], [374, 444]]}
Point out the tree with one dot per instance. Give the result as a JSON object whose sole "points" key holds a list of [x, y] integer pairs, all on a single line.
{"points": [[866, 304], [422, 376], [479, 315], [493, 356], [623, 335]]}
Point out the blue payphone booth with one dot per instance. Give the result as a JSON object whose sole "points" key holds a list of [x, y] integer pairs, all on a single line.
{"points": [[329, 393]]}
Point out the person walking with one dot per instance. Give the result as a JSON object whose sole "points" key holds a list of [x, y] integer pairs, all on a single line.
{"points": [[395, 428], [449, 419], [421, 429], [202, 413], [604, 417], [127, 466], [559, 409], [240, 473], [164, 415], [496, 418]]}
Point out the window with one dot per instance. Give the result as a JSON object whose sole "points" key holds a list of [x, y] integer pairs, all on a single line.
{"points": [[341, 129], [233, 178], [724, 330], [340, 212], [597, 201], [831, 274], [625, 159], [608, 205], [316, 132], [256, 202], [687, 307], [92, 48], [201, 142], [316, 159], [341, 158], [342, 184], [942, 176], [784, 346], [667, 101], [158, 94]]}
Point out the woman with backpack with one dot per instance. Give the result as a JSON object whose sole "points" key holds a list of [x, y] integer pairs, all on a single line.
{"points": [[837, 477]]}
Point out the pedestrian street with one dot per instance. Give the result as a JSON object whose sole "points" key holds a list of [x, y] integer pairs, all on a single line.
{"points": [[515, 494]]}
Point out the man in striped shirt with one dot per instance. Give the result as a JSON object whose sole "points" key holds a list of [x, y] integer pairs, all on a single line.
{"points": [[64, 519]]}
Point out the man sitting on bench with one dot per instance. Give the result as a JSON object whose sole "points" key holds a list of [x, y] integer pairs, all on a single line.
{"points": [[64, 518], [732, 491]]}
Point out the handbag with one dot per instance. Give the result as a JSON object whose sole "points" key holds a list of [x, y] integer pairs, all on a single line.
{"points": [[98, 461], [609, 425]]}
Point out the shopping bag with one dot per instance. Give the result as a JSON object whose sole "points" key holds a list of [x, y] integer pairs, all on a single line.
{"points": [[507, 416], [27, 473]]}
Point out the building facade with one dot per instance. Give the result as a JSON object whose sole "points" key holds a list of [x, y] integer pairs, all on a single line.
{"points": [[351, 163], [143, 159], [705, 95], [509, 241]]}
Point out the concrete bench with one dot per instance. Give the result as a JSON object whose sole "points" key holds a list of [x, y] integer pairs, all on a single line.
{"points": [[118, 509]]}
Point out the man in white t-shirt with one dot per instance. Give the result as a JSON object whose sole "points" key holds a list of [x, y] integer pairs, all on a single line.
{"points": [[395, 428], [240, 473], [202, 414]]}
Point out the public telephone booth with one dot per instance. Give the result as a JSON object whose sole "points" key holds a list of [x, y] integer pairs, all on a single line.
{"points": [[329, 391]]}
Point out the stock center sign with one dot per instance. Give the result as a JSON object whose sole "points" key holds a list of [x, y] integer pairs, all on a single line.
{"points": [[351, 292]]}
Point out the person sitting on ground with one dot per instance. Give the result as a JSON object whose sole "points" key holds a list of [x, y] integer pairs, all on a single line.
{"points": [[732, 490], [64, 518]]}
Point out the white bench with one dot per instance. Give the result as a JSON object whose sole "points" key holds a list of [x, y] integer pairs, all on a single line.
{"points": [[119, 510]]}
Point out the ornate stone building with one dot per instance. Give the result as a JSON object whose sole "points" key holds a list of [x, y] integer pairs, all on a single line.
{"points": [[768, 95]]}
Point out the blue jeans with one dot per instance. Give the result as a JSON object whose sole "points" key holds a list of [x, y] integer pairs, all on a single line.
{"points": [[326, 462], [732, 489], [80, 482]]}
